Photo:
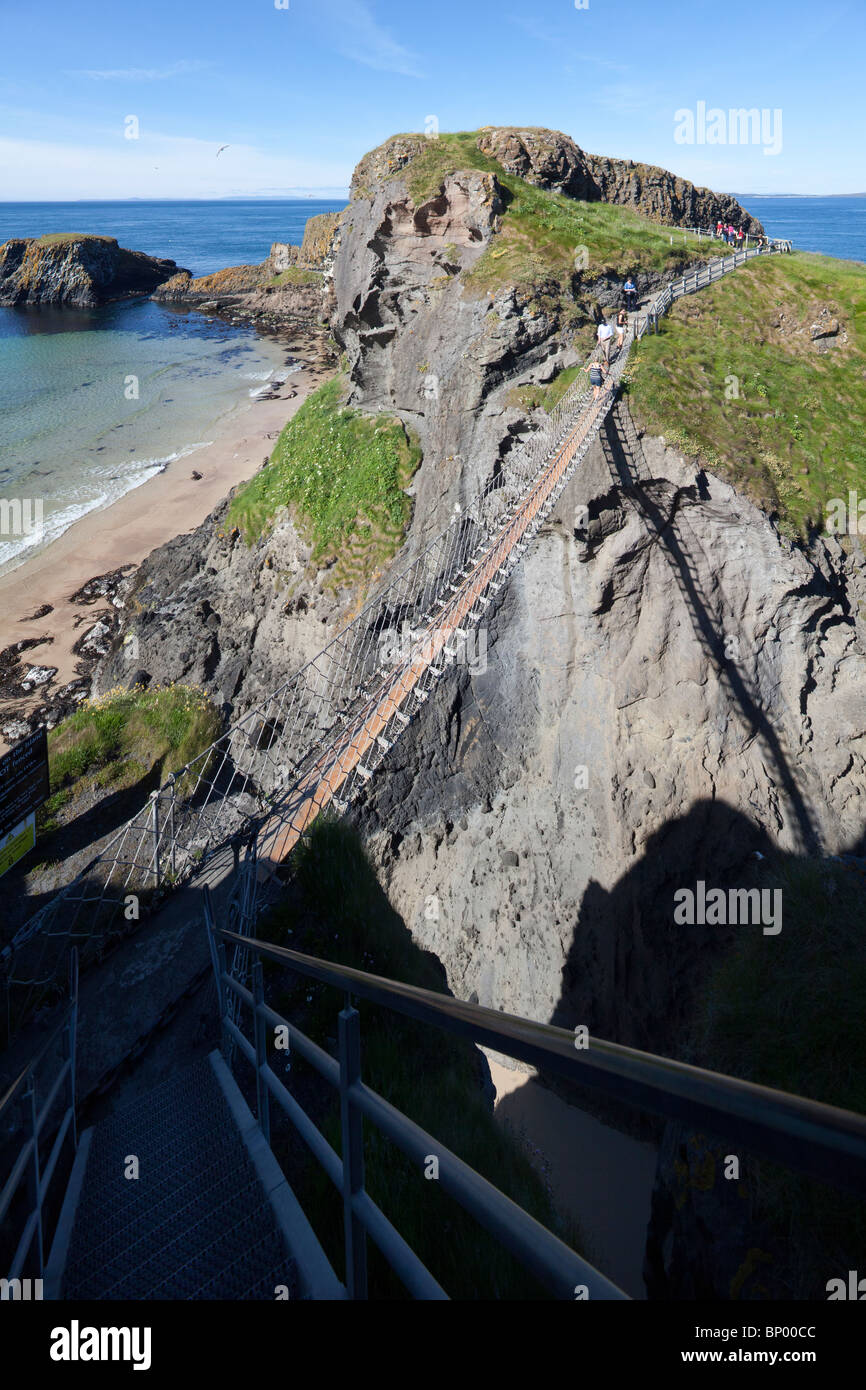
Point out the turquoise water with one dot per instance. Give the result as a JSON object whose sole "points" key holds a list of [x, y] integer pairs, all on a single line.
{"points": [[72, 433], [93, 403]]}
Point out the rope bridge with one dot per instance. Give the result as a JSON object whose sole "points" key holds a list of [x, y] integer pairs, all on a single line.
{"points": [[324, 733]]}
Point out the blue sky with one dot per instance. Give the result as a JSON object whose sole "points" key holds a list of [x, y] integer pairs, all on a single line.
{"points": [[299, 93]]}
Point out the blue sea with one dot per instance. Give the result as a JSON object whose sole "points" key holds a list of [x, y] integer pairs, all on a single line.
{"points": [[833, 226], [93, 403], [71, 436]]}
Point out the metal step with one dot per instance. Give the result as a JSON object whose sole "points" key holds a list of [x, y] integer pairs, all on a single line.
{"points": [[196, 1223]]}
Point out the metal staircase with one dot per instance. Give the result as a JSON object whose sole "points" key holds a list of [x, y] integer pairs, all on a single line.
{"points": [[195, 1224]]}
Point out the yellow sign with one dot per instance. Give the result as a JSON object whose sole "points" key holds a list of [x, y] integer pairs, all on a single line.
{"points": [[17, 843]]}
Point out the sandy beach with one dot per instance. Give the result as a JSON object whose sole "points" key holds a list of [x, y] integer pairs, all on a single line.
{"points": [[167, 505]]}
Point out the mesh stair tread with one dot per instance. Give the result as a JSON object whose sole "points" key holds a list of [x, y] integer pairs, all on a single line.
{"points": [[195, 1224]]}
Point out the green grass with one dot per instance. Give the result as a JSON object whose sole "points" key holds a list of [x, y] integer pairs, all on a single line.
{"points": [[541, 230], [343, 474], [795, 436], [788, 1012], [340, 913], [115, 741], [296, 275], [545, 397], [69, 238]]}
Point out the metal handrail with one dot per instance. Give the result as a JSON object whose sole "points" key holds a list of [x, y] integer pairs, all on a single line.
{"points": [[831, 1142], [27, 1161], [552, 1262]]}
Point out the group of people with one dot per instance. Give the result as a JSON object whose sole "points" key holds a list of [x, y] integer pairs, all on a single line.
{"points": [[598, 370], [734, 236]]}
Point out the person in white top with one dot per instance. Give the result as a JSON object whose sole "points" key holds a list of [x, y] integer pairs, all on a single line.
{"points": [[605, 337]]}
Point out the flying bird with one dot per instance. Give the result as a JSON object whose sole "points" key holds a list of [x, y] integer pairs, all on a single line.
{"points": [[220, 150]]}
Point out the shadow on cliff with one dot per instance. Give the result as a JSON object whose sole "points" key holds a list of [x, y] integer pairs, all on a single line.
{"points": [[335, 908], [628, 468], [782, 1008], [74, 844]]}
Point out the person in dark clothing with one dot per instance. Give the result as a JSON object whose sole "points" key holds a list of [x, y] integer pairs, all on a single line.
{"points": [[629, 290]]}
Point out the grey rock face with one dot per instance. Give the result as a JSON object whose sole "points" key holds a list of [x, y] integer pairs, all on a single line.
{"points": [[77, 271], [552, 160], [417, 343], [208, 610], [662, 699]]}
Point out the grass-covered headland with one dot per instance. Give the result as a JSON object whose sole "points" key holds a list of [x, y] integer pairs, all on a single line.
{"points": [[343, 476], [737, 376]]}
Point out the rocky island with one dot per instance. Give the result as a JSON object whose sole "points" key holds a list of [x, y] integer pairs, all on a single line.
{"points": [[78, 271]]}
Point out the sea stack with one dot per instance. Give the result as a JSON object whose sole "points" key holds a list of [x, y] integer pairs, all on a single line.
{"points": [[80, 271]]}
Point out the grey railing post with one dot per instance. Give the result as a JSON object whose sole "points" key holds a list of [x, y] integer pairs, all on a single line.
{"points": [[69, 1038], [154, 830], [223, 998], [352, 1133], [34, 1184], [171, 827], [260, 1027]]}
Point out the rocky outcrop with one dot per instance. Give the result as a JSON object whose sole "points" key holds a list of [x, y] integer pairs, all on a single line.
{"points": [[417, 344], [293, 284], [549, 159], [210, 611], [78, 271]]}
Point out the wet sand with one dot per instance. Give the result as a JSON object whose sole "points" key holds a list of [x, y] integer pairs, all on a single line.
{"points": [[167, 505], [602, 1177]]}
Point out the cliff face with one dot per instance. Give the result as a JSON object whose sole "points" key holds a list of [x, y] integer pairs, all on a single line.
{"points": [[669, 687], [79, 271], [549, 159], [417, 345]]}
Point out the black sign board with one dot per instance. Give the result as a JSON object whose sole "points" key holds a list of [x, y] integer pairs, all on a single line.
{"points": [[23, 780]]}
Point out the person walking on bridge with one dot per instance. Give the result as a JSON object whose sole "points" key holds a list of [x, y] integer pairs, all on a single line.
{"points": [[629, 290], [621, 328], [605, 336], [596, 378]]}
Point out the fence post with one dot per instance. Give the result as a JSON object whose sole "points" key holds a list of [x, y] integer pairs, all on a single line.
{"points": [[154, 830], [171, 828], [69, 1038], [352, 1133], [262, 1094], [34, 1184]]}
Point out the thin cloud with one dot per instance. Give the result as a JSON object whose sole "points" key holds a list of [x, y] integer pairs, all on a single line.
{"points": [[179, 69], [630, 98], [362, 38], [558, 39]]}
